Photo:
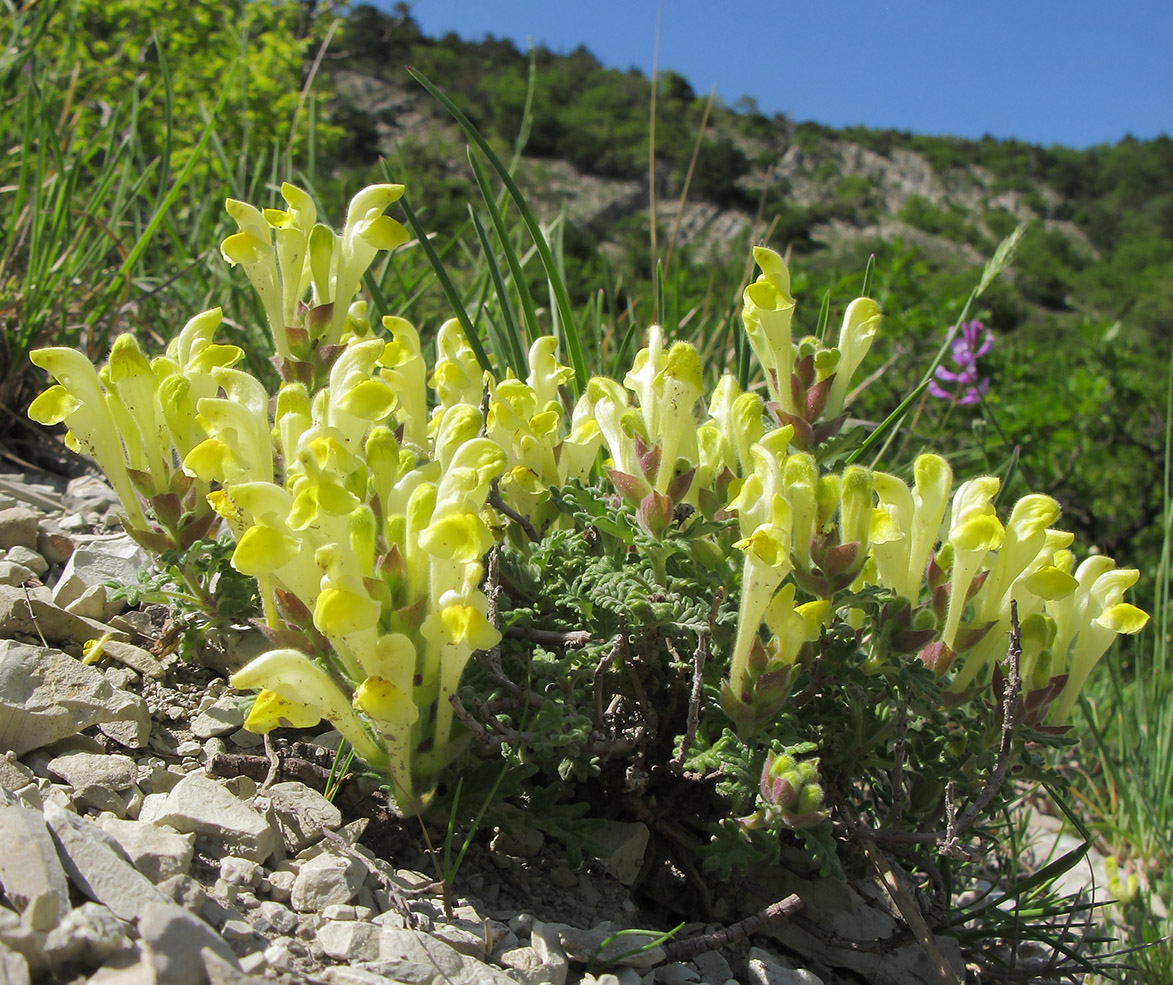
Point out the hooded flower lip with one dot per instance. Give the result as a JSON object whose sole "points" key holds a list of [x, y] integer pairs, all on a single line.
{"points": [[80, 402], [767, 312]]}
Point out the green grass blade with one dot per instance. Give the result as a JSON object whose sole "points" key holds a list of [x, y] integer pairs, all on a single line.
{"points": [[516, 270], [157, 219], [824, 317], [566, 317], [868, 271], [446, 285], [887, 427], [508, 337]]}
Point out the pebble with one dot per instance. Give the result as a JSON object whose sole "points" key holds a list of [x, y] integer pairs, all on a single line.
{"points": [[326, 879], [14, 967], [15, 574], [18, 527], [762, 968], [157, 852], [273, 916], [90, 931], [201, 806], [47, 695], [28, 558], [302, 814], [30, 871], [237, 871], [97, 778], [172, 940], [96, 865]]}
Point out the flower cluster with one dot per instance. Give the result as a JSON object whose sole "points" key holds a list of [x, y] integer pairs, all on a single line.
{"points": [[966, 349]]}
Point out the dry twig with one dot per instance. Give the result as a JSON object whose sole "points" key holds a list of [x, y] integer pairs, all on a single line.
{"points": [[690, 947]]}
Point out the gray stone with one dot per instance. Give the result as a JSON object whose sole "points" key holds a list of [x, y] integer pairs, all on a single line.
{"points": [[527, 963], [29, 559], [18, 936], [281, 884], [302, 814], [200, 805], [544, 939], [24, 614], [90, 604], [713, 967], [115, 558], [222, 972], [587, 945], [462, 939], [272, 916], [14, 969], [623, 847], [403, 952], [14, 574], [42, 495], [348, 940], [157, 852], [47, 695], [853, 910], [364, 976], [222, 718], [89, 493], [53, 546], [134, 657], [237, 871], [18, 527], [126, 967], [762, 968], [278, 955], [237, 931], [96, 778], [97, 866], [676, 973], [185, 891], [14, 775], [90, 933], [172, 941], [326, 879], [30, 871]]}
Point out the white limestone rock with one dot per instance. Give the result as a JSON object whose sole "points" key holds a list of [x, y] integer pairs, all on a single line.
{"points": [[98, 867], [201, 806], [47, 695], [30, 871], [157, 852], [325, 879]]}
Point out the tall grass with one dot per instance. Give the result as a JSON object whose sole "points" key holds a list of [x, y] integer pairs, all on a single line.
{"points": [[1125, 779]]}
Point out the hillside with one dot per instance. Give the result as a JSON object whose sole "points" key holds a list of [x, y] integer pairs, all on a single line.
{"points": [[1086, 307], [1101, 241]]}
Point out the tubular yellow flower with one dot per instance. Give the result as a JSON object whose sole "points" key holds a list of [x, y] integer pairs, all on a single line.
{"points": [[974, 531], [767, 311], [252, 248], [293, 676], [79, 402], [861, 321]]}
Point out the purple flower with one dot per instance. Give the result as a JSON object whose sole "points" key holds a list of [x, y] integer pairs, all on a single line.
{"points": [[973, 342]]}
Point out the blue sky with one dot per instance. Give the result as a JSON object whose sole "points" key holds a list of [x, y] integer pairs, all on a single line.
{"points": [[1073, 73]]}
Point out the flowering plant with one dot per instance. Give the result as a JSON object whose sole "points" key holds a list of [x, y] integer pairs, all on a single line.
{"points": [[364, 496], [965, 351]]}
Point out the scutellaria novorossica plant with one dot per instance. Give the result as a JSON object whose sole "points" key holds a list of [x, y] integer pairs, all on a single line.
{"points": [[365, 495]]}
